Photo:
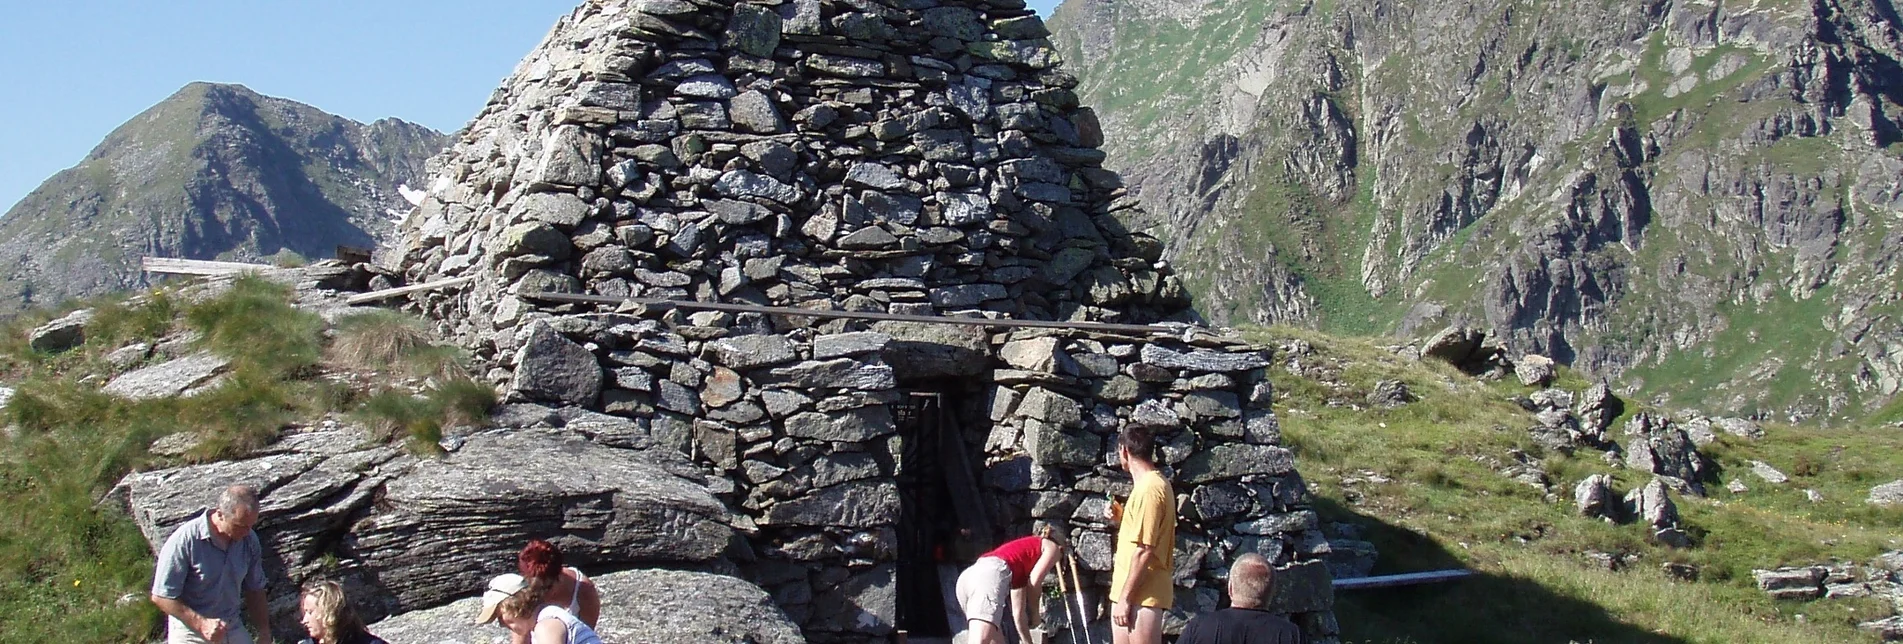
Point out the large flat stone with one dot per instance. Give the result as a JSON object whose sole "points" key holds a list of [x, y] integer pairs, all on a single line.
{"points": [[636, 606], [1224, 462], [860, 504], [168, 379], [550, 367]]}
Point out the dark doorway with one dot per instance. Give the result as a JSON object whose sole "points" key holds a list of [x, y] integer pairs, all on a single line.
{"points": [[942, 517]]}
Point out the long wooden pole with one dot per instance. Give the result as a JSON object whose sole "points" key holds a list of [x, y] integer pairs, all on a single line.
{"points": [[1140, 329]]}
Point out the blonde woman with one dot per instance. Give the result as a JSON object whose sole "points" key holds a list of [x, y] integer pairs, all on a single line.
{"points": [[329, 618]]}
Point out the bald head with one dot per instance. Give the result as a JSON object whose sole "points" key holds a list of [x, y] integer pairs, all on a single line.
{"points": [[1250, 581]]}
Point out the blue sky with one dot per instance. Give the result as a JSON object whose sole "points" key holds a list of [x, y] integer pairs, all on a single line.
{"points": [[76, 69]]}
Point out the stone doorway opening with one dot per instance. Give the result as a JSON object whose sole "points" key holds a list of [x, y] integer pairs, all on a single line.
{"points": [[944, 518]]}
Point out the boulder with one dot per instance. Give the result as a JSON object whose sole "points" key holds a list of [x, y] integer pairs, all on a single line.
{"points": [[636, 606], [1596, 410], [421, 532], [1453, 345], [1225, 462], [1389, 394], [1535, 370], [1770, 474], [1657, 446], [1792, 583], [1888, 494], [1593, 497], [1204, 359], [61, 335], [168, 379]]}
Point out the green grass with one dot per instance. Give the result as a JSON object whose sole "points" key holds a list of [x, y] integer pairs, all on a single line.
{"points": [[420, 418], [65, 562], [383, 340], [1444, 504]]}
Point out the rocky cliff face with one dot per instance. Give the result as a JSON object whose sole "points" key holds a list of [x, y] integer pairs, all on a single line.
{"points": [[214, 172], [1696, 197]]}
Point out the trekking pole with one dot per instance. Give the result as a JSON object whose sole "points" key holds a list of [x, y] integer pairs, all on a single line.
{"points": [[1077, 581], [1064, 587]]}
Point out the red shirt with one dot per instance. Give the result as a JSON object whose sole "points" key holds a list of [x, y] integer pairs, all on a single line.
{"points": [[1020, 555]]}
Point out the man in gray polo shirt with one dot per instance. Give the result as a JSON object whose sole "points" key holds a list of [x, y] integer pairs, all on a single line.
{"points": [[211, 568]]}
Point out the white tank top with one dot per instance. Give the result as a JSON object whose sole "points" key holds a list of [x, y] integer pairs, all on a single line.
{"points": [[578, 632]]}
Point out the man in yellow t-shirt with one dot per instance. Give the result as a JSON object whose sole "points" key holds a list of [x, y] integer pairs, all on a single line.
{"points": [[1140, 589]]}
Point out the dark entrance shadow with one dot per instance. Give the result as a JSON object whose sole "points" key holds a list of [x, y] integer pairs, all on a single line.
{"points": [[1483, 609]]}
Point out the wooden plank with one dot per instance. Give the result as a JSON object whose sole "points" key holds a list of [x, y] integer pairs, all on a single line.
{"points": [[1405, 579], [175, 266], [388, 293], [1136, 329]]}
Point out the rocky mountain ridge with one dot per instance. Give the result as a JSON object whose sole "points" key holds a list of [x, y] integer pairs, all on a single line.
{"points": [[213, 172], [1694, 198]]}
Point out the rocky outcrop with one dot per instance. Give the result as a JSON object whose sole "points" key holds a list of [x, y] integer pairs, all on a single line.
{"points": [[1668, 195], [636, 606], [1656, 445], [213, 172], [408, 533]]}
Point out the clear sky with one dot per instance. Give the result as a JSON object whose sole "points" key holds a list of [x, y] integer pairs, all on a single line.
{"points": [[73, 70]]}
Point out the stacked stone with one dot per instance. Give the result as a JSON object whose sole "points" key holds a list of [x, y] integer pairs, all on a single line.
{"points": [[904, 156], [1058, 404], [924, 158]]}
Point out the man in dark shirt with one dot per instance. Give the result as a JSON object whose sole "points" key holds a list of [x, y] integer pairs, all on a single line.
{"points": [[1246, 620]]}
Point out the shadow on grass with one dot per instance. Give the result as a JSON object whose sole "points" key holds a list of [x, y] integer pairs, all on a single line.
{"points": [[1485, 608]]}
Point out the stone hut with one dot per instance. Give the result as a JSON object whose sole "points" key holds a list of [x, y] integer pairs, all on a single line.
{"points": [[804, 161]]}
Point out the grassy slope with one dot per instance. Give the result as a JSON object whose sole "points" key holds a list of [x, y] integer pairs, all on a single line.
{"points": [[1423, 479], [70, 567]]}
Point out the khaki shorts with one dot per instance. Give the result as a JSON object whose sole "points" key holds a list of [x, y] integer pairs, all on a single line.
{"points": [[177, 632], [984, 591]]}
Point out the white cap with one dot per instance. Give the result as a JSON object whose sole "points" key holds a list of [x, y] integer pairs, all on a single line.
{"points": [[500, 588]]}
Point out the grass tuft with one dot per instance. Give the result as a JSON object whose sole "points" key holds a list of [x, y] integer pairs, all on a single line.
{"points": [[256, 325]]}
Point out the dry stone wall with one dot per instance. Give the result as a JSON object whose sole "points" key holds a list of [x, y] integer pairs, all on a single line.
{"points": [[906, 157]]}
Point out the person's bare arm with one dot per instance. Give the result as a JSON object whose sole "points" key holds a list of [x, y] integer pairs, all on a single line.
{"points": [[550, 631], [1024, 606], [257, 609], [590, 604], [211, 629]]}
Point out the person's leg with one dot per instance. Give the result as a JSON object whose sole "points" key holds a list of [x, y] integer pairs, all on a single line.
{"points": [[1148, 628], [1118, 634], [239, 635], [983, 632]]}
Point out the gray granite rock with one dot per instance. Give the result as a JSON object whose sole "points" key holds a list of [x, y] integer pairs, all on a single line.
{"points": [[752, 351], [861, 504], [1225, 462], [62, 334], [636, 606], [851, 426], [1203, 360], [168, 379], [1888, 494], [550, 367]]}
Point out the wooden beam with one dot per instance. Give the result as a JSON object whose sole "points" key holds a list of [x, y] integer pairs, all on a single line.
{"points": [[388, 293], [1137, 329], [1407, 579], [174, 266]]}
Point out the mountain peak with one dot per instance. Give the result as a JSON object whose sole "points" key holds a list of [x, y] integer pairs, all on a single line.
{"points": [[214, 171]]}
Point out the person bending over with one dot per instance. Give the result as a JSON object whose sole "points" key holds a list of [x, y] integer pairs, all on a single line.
{"points": [[1247, 619], [541, 563], [1012, 572], [513, 601]]}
